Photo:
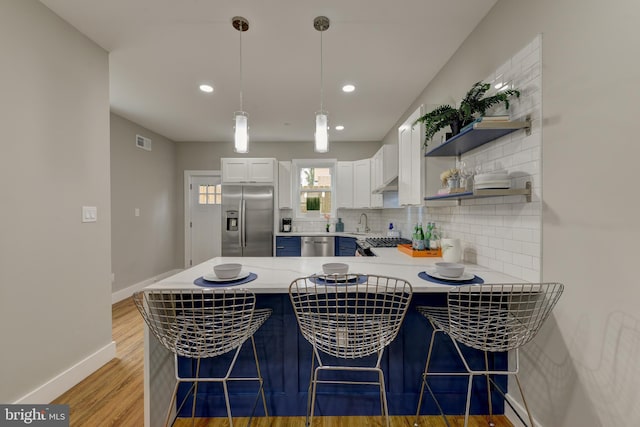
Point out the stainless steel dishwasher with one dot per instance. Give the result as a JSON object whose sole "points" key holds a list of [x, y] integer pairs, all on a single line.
{"points": [[318, 246]]}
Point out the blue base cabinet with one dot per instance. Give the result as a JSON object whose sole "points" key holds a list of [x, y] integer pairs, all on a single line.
{"points": [[288, 246], [345, 246], [285, 362]]}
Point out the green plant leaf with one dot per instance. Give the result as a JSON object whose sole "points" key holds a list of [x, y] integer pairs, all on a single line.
{"points": [[473, 102]]}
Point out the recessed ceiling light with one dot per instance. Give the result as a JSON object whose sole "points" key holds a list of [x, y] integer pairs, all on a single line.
{"points": [[339, 127], [348, 88], [206, 88]]}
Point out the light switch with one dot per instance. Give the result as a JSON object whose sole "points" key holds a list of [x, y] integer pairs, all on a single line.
{"points": [[89, 214], [137, 211]]}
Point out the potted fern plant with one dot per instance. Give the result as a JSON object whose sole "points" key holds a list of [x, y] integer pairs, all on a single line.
{"points": [[474, 103]]}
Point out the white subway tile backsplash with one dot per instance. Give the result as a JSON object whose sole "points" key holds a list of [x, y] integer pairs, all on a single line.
{"points": [[530, 221], [522, 260], [531, 275], [509, 150], [530, 61], [504, 256], [482, 240], [513, 246], [532, 141], [512, 270], [487, 252], [537, 236], [502, 233], [495, 264], [496, 242], [488, 231], [523, 235], [532, 249], [496, 221], [519, 57], [503, 209]]}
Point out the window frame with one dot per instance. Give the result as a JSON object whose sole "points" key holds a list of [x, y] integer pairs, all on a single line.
{"points": [[296, 166], [217, 194]]}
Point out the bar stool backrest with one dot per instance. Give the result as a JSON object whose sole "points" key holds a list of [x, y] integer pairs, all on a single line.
{"points": [[352, 317], [500, 317], [198, 323]]}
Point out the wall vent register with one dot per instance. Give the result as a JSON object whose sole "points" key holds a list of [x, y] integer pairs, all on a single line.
{"points": [[142, 142]]}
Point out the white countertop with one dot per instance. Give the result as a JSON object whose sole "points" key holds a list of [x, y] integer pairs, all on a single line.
{"points": [[354, 234], [275, 274]]}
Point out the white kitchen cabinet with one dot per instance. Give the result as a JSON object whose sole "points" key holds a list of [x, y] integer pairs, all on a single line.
{"points": [[386, 169], [410, 159], [376, 166], [418, 176], [247, 170], [362, 183], [344, 187], [284, 185], [354, 184]]}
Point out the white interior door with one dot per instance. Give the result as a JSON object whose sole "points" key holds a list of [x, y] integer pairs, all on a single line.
{"points": [[205, 198]]}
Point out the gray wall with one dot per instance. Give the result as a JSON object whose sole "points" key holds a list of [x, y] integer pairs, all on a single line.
{"points": [[206, 156], [145, 246], [583, 369], [55, 293]]}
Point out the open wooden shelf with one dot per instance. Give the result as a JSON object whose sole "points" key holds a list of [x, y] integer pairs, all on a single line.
{"points": [[476, 194], [479, 134]]}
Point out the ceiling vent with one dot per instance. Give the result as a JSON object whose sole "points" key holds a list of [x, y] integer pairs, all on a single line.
{"points": [[144, 143]]}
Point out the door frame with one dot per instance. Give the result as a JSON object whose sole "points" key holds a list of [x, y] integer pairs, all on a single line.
{"points": [[188, 176]]}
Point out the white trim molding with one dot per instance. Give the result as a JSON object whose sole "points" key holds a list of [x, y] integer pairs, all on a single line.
{"points": [[64, 381], [511, 414], [125, 293]]}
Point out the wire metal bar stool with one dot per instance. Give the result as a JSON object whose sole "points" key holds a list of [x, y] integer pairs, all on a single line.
{"points": [[349, 317], [204, 323], [490, 318]]}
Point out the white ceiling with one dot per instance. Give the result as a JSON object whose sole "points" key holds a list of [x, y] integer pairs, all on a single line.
{"points": [[161, 50]]}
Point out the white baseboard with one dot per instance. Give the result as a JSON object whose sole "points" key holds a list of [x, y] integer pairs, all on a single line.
{"points": [[511, 414], [70, 377], [128, 291]]}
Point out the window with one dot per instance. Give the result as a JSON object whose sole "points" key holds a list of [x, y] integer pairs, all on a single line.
{"points": [[313, 190], [209, 194]]}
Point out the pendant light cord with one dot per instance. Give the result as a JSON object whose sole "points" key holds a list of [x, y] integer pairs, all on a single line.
{"points": [[321, 77], [241, 68]]}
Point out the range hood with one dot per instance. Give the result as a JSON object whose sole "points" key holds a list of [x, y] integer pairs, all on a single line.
{"points": [[385, 169], [390, 186]]}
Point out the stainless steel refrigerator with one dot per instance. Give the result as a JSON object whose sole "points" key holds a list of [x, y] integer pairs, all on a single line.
{"points": [[247, 220]]}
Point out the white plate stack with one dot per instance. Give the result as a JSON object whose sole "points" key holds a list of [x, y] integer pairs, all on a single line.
{"points": [[494, 180]]}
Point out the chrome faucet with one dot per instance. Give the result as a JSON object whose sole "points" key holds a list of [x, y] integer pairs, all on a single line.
{"points": [[366, 222]]}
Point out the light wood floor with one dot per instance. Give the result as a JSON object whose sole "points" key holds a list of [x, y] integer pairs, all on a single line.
{"points": [[113, 395]]}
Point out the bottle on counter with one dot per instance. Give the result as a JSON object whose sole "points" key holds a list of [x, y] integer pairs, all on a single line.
{"points": [[420, 238], [427, 237], [414, 238], [435, 237], [339, 225]]}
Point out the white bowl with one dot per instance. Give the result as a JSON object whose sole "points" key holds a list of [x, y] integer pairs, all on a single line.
{"points": [[335, 268], [449, 269], [227, 271]]}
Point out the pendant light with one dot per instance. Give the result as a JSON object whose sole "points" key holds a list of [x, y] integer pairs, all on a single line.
{"points": [[241, 135], [321, 23]]}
